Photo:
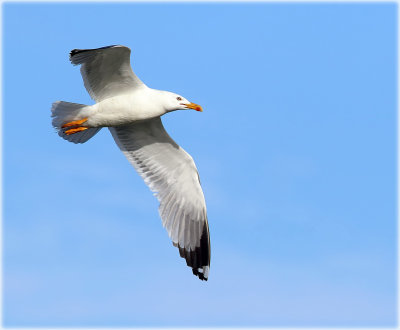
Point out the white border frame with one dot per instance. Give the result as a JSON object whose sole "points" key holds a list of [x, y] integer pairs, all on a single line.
{"points": [[203, 1]]}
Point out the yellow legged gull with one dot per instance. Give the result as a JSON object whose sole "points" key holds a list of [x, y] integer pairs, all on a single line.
{"points": [[132, 112]]}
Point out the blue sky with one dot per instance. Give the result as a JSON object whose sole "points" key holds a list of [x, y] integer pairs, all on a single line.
{"points": [[295, 148]]}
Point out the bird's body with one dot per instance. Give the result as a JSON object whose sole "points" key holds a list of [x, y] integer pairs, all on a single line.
{"points": [[132, 112], [126, 108]]}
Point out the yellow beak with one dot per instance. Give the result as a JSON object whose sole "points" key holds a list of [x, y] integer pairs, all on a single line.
{"points": [[194, 106]]}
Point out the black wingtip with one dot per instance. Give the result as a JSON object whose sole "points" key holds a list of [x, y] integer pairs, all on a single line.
{"points": [[78, 51], [199, 258], [199, 274]]}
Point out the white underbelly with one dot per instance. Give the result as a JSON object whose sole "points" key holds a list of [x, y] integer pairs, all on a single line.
{"points": [[120, 110]]}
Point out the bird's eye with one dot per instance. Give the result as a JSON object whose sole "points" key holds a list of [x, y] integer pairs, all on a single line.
{"points": [[179, 98]]}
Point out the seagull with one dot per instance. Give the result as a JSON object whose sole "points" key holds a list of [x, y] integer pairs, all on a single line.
{"points": [[132, 112]]}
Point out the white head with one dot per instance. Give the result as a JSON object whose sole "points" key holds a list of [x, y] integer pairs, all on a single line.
{"points": [[174, 102]]}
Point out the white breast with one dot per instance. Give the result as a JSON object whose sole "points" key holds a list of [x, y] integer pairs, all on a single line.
{"points": [[127, 108]]}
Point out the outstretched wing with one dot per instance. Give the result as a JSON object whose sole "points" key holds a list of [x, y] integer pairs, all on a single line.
{"points": [[171, 174], [106, 71]]}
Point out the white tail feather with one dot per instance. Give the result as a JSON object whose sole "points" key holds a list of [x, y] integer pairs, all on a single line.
{"points": [[64, 112]]}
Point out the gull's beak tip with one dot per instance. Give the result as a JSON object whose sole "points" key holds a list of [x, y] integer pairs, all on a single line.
{"points": [[195, 106]]}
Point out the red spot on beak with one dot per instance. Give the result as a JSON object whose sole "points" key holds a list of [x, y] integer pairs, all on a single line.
{"points": [[194, 106]]}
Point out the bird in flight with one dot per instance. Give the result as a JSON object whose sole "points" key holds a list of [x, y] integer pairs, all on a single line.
{"points": [[132, 112]]}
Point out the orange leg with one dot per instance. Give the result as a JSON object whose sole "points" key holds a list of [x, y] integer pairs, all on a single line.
{"points": [[74, 123], [75, 130]]}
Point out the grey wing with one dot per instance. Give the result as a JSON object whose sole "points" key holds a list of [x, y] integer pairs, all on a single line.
{"points": [[171, 174], [106, 71]]}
